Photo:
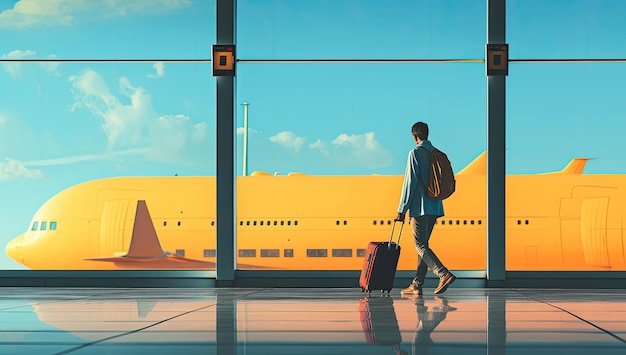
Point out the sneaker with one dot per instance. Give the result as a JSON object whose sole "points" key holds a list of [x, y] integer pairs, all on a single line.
{"points": [[444, 282], [443, 305], [413, 289]]}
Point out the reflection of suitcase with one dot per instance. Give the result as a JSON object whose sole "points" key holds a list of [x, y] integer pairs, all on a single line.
{"points": [[379, 322], [380, 263]]}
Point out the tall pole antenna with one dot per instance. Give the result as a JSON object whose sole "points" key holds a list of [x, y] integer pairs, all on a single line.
{"points": [[245, 138]]}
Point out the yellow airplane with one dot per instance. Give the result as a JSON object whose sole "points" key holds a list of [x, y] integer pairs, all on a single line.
{"points": [[557, 221]]}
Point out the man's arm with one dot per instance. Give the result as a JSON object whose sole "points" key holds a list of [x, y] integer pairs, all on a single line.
{"points": [[408, 185]]}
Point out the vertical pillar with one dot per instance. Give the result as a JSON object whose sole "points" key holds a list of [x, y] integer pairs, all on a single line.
{"points": [[496, 145], [225, 179]]}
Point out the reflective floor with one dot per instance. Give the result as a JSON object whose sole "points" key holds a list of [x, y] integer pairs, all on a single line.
{"points": [[310, 321]]}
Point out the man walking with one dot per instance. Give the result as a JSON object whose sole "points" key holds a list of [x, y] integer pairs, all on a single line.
{"points": [[423, 212]]}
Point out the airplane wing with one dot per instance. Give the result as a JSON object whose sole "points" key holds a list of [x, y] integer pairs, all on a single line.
{"points": [[145, 249]]}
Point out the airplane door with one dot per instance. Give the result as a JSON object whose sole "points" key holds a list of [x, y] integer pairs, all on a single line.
{"points": [[593, 228], [113, 227], [586, 234]]}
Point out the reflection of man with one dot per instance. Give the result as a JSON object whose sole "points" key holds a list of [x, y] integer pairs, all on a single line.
{"points": [[427, 321]]}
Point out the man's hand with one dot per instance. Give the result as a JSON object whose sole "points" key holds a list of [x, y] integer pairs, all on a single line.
{"points": [[400, 217]]}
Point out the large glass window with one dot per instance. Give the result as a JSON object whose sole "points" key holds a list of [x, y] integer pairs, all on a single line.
{"points": [[565, 119], [324, 119], [107, 135]]}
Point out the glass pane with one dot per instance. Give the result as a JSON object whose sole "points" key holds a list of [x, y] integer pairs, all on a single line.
{"points": [[580, 29], [361, 29], [326, 151], [87, 144], [118, 29], [565, 119]]}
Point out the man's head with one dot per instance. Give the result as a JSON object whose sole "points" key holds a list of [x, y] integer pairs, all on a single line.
{"points": [[420, 130]]}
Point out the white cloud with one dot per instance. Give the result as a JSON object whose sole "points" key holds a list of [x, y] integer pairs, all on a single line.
{"points": [[160, 70], [364, 141], [122, 124], [49, 13], [12, 169], [250, 130], [320, 146], [355, 150], [13, 68], [136, 124], [51, 67], [289, 140], [200, 131], [85, 158]]}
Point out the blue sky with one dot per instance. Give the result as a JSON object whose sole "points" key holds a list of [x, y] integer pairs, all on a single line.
{"points": [[65, 123]]}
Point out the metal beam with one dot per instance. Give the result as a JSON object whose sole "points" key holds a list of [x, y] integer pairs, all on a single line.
{"points": [[225, 169], [496, 146]]}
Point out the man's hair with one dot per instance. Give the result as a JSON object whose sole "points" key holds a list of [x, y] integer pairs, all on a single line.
{"points": [[420, 129]]}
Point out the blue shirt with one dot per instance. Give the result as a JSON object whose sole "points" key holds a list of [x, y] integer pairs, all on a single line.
{"points": [[413, 198]]}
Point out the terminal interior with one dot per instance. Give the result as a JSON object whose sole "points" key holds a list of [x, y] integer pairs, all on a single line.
{"points": [[527, 284]]}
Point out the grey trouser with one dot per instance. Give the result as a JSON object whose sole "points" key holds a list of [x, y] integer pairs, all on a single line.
{"points": [[422, 227]]}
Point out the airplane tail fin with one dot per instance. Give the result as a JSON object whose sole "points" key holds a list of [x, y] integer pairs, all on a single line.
{"points": [[477, 167], [575, 166]]}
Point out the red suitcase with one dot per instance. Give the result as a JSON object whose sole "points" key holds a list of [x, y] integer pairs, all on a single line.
{"points": [[380, 263]]}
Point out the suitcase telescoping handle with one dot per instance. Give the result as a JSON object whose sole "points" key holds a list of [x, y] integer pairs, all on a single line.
{"points": [[393, 226]]}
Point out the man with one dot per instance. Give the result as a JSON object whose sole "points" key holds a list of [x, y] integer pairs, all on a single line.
{"points": [[423, 212]]}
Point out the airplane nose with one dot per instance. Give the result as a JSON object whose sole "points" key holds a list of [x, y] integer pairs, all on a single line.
{"points": [[13, 249]]}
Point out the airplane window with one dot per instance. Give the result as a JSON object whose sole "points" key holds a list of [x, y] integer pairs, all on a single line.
{"points": [[209, 253], [360, 253], [53, 226], [519, 222], [288, 223], [35, 226], [180, 252], [247, 253], [295, 223], [269, 223], [342, 253], [316, 253], [458, 222], [480, 222], [389, 222], [179, 223], [270, 253], [464, 222], [254, 223], [282, 223], [164, 223], [288, 253], [337, 222], [472, 221], [382, 222], [345, 223], [275, 222], [212, 223], [526, 221], [261, 222], [374, 222], [43, 226], [241, 223], [247, 223]]}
